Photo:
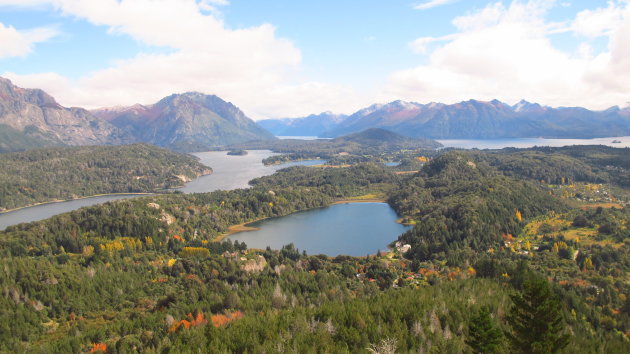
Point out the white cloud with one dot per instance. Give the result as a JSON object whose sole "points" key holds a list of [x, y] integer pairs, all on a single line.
{"points": [[599, 22], [211, 5], [421, 45], [251, 67], [14, 43], [506, 52], [432, 3]]}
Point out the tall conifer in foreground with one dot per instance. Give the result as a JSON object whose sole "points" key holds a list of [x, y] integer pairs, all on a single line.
{"points": [[483, 334], [536, 319]]}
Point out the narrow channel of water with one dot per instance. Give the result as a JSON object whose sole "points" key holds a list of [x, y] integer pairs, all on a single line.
{"points": [[229, 172]]}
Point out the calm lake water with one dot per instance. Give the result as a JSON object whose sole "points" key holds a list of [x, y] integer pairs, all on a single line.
{"points": [[44, 211], [624, 141], [354, 229], [229, 172]]}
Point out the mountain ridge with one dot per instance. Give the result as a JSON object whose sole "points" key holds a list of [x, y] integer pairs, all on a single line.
{"points": [[34, 117], [475, 119], [313, 124], [190, 121]]}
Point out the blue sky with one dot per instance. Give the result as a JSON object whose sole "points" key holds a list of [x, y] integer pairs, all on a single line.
{"points": [[278, 58]]}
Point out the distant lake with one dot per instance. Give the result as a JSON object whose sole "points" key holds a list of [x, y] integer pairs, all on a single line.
{"points": [[531, 142], [354, 229], [229, 172], [391, 164], [300, 137]]}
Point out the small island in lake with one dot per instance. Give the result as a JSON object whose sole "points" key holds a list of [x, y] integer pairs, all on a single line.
{"points": [[239, 152], [616, 141]]}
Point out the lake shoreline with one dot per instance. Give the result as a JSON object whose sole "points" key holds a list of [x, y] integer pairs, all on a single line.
{"points": [[349, 201], [349, 227], [79, 198], [294, 161], [206, 172], [234, 229]]}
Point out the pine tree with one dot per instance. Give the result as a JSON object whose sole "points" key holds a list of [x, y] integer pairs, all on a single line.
{"points": [[536, 319], [483, 335]]}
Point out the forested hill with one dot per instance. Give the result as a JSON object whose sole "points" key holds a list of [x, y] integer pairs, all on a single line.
{"points": [[50, 174], [385, 139], [352, 147], [558, 165]]}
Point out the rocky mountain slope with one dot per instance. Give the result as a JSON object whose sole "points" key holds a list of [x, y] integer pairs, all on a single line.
{"points": [[186, 122], [32, 118]]}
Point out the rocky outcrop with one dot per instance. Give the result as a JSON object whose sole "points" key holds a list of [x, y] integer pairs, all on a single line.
{"points": [[35, 114], [254, 265]]}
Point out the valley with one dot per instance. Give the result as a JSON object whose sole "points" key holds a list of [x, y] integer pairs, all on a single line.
{"points": [[483, 226]]}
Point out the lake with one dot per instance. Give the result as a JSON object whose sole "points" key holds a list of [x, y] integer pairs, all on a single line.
{"points": [[229, 172], [624, 141], [354, 229], [232, 172]]}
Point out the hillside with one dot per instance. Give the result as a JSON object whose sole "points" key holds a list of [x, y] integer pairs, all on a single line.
{"points": [[352, 147], [12, 139], [186, 122], [374, 137], [486, 120], [45, 175], [35, 119], [312, 125], [367, 141]]}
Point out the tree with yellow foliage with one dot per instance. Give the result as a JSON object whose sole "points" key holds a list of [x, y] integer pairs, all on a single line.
{"points": [[195, 252], [519, 216], [588, 263]]}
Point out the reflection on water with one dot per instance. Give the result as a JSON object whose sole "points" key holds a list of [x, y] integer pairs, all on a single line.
{"points": [[231, 172], [354, 229]]}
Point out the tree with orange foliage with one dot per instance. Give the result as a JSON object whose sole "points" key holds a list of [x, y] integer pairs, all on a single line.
{"points": [[222, 320], [195, 321], [98, 347]]}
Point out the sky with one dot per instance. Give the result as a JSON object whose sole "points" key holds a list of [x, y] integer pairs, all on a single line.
{"points": [[288, 58]]}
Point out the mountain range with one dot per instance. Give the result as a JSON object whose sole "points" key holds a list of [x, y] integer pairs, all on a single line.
{"points": [[312, 125], [193, 121], [474, 120], [30, 118]]}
